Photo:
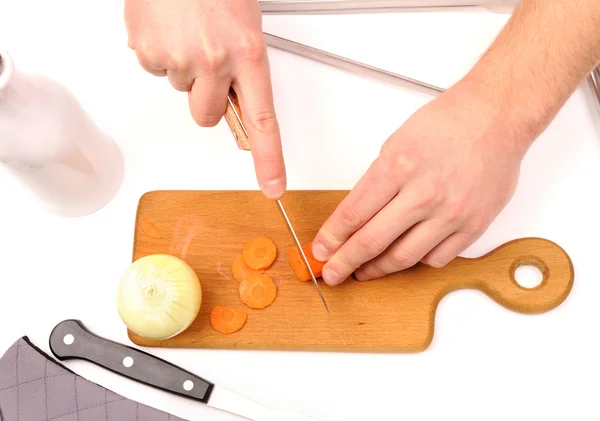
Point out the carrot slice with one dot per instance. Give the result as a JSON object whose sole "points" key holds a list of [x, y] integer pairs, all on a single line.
{"points": [[259, 253], [240, 270], [227, 320], [258, 290], [297, 263]]}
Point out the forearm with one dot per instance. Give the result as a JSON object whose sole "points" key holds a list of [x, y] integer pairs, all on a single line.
{"points": [[538, 60]]}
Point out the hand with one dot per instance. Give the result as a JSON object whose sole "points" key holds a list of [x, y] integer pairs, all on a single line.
{"points": [[438, 183], [204, 47]]}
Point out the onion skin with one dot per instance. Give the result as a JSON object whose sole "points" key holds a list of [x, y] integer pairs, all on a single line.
{"points": [[159, 296]]}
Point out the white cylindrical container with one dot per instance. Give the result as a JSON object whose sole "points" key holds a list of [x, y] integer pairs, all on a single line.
{"points": [[51, 145]]}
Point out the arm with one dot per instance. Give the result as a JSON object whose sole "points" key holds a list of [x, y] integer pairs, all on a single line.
{"points": [[544, 52], [448, 171]]}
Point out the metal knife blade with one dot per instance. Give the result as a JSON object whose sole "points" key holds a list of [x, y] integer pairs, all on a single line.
{"points": [[233, 116], [299, 245], [70, 340]]}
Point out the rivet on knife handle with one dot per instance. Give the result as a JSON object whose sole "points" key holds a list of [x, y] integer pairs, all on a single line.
{"points": [[71, 340]]}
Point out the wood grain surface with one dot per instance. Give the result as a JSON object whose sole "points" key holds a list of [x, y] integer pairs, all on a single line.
{"points": [[392, 314], [233, 117]]}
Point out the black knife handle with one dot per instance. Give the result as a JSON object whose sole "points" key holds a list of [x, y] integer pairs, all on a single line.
{"points": [[71, 340]]}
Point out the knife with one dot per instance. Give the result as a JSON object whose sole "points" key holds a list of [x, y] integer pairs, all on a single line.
{"points": [[70, 340], [233, 116]]}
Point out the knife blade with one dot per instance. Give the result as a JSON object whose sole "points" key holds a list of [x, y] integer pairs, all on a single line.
{"points": [[71, 340], [304, 259], [233, 116]]}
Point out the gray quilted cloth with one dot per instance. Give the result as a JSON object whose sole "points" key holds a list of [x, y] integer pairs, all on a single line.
{"points": [[33, 387]]}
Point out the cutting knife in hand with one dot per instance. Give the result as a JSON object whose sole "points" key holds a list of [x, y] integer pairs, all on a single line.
{"points": [[233, 116], [70, 340]]}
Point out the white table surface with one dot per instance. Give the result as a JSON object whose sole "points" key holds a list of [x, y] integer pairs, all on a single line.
{"points": [[485, 362]]}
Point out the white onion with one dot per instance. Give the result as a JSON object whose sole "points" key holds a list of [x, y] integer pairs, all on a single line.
{"points": [[159, 296]]}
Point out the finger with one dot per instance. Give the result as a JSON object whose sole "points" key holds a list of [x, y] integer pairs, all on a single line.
{"points": [[403, 212], [372, 192], [448, 249], [253, 87], [208, 98], [408, 250], [152, 71], [181, 80], [150, 62]]}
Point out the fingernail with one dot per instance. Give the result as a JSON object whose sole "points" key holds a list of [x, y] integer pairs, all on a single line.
{"points": [[274, 189], [330, 276], [320, 252]]}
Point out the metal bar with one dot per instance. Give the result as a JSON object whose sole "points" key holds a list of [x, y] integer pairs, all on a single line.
{"points": [[364, 6], [349, 65]]}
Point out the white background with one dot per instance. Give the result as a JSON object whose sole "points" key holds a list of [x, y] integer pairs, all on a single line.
{"points": [[485, 363]]}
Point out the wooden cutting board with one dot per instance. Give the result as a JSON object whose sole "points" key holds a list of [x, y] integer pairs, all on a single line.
{"points": [[393, 314]]}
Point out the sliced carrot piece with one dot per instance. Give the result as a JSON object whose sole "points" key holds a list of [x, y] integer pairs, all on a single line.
{"points": [[297, 263], [150, 229], [258, 290], [240, 270], [259, 253], [227, 320]]}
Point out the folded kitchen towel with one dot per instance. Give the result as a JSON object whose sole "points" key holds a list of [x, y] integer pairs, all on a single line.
{"points": [[34, 387]]}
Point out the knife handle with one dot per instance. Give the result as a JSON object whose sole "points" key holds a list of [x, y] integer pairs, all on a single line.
{"points": [[233, 116], [71, 340]]}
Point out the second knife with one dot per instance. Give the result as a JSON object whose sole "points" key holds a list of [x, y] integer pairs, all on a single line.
{"points": [[70, 339]]}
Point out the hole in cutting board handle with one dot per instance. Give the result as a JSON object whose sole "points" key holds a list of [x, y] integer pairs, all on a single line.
{"points": [[528, 275]]}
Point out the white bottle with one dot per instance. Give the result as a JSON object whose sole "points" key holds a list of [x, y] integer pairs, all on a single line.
{"points": [[52, 146]]}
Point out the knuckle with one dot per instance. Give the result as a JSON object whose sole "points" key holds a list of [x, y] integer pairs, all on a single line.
{"points": [[478, 224], [396, 168], [428, 196], [351, 217], [372, 272], [371, 244], [252, 48], [345, 264], [215, 57], [147, 52], [404, 166], [269, 158], [177, 60], [435, 261], [264, 121], [403, 259], [454, 210]]}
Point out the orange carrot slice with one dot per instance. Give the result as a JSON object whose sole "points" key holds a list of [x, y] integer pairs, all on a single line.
{"points": [[240, 270], [258, 290], [227, 320], [259, 253], [150, 229], [297, 263]]}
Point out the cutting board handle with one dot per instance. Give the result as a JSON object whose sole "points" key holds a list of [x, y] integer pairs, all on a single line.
{"points": [[494, 274]]}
